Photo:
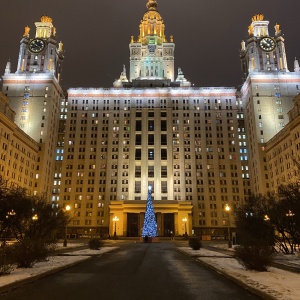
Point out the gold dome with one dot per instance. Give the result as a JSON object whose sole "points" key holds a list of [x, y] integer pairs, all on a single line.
{"points": [[152, 24]]}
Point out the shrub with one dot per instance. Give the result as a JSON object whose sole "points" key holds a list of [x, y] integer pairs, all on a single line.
{"points": [[6, 261], [195, 243], [95, 244], [257, 258], [28, 251]]}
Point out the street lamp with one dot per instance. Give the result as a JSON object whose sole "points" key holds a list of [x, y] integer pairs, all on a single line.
{"points": [[67, 208], [227, 208], [115, 220], [35, 217], [184, 220]]}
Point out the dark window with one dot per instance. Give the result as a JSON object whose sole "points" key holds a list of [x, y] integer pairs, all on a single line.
{"points": [[163, 139], [150, 139], [138, 125], [163, 153], [151, 114], [138, 154], [138, 114], [138, 139], [163, 125], [163, 114]]}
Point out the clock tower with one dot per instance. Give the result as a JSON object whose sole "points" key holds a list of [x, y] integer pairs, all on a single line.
{"points": [[151, 55], [267, 94], [262, 52], [35, 94]]}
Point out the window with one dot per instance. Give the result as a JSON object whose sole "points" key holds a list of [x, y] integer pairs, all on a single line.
{"points": [[164, 171], [163, 139], [151, 154], [138, 154], [163, 154], [150, 171], [164, 188], [150, 139], [138, 171], [138, 125], [151, 125], [138, 139], [137, 188], [163, 125]]}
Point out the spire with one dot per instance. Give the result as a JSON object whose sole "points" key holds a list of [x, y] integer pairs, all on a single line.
{"points": [[8, 67], [296, 65], [151, 5]]}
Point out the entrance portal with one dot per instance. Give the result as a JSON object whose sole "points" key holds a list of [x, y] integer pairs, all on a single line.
{"points": [[132, 224], [168, 224]]}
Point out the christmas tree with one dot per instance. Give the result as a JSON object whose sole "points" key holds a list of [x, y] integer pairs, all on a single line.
{"points": [[150, 226]]}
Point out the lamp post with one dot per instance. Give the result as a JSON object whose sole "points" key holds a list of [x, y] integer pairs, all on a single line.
{"points": [[227, 208], [184, 220], [115, 220], [67, 208]]}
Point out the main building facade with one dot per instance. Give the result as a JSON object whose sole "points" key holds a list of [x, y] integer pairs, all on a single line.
{"points": [[199, 148]]}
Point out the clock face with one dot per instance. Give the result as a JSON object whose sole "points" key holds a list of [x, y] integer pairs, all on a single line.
{"points": [[36, 45], [267, 44]]}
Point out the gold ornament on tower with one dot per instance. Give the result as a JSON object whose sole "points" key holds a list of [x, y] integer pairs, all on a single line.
{"points": [[277, 29], [26, 31], [258, 17], [46, 19], [152, 5]]}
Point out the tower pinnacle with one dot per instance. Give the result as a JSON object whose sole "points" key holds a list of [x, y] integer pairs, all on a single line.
{"points": [[151, 5]]}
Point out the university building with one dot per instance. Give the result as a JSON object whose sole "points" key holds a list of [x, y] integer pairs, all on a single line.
{"points": [[198, 148]]}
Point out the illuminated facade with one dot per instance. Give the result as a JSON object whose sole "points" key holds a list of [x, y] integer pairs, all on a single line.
{"points": [[267, 94], [36, 95], [199, 148], [18, 152], [282, 151]]}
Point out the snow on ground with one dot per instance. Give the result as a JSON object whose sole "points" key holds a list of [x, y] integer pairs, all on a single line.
{"points": [[276, 283], [54, 263]]}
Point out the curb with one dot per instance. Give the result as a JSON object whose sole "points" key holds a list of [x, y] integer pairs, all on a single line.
{"points": [[232, 278]]}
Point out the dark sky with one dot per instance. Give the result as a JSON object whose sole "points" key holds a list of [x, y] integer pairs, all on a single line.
{"points": [[96, 34]]}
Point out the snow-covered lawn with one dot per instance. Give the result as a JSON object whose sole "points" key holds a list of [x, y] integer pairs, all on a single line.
{"points": [[276, 283], [54, 263]]}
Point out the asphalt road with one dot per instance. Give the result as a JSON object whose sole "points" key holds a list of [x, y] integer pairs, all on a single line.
{"points": [[135, 271]]}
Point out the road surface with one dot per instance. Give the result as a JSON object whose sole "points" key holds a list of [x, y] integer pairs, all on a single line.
{"points": [[135, 271]]}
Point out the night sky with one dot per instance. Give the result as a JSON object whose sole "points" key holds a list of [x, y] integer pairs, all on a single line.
{"points": [[96, 34]]}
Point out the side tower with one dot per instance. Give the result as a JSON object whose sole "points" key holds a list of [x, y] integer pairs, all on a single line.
{"points": [[35, 94], [151, 55], [267, 94]]}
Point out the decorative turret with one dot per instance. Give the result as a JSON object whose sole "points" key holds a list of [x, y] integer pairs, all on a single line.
{"points": [[182, 80], [123, 78]]}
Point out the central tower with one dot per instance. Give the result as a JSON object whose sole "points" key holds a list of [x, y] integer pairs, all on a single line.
{"points": [[151, 55]]}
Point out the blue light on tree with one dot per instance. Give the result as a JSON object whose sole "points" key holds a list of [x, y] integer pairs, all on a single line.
{"points": [[150, 226]]}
